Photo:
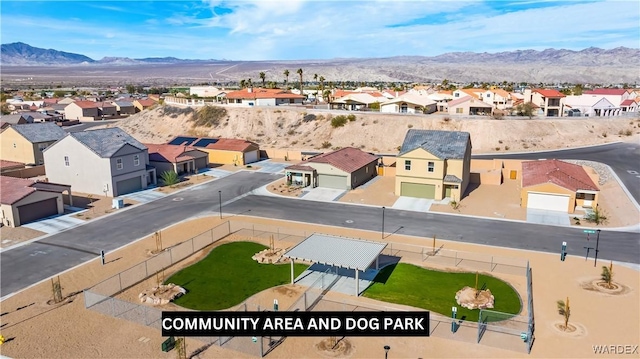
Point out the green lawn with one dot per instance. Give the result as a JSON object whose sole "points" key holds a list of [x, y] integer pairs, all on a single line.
{"points": [[228, 276], [435, 291]]}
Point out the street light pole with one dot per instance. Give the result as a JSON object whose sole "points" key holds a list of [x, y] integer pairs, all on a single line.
{"points": [[382, 233], [386, 347], [220, 201], [595, 260]]}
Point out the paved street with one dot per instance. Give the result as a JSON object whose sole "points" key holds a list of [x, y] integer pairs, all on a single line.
{"points": [[619, 246], [623, 158], [26, 265]]}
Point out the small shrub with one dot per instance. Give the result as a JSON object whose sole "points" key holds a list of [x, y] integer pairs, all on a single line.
{"points": [[309, 117], [208, 116], [291, 132], [326, 144], [497, 148], [399, 148], [409, 126], [363, 124], [604, 134], [351, 117], [446, 119], [294, 143], [506, 148], [628, 133], [338, 121], [500, 141], [169, 178], [525, 146], [375, 121]]}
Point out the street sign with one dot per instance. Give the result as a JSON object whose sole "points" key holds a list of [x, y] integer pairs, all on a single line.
{"points": [[589, 231]]}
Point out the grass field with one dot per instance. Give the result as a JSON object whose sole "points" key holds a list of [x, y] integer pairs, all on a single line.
{"points": [[228, 276], [435, 291]]}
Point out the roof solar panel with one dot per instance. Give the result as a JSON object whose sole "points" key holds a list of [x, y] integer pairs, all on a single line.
{"points": [[181, 140], [204, 142]]}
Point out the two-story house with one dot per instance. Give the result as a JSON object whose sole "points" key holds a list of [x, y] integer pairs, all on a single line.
{"points": [[550, 102], [24, 143], [82, 111], [105, 162], [433, 164], [499, 98]]}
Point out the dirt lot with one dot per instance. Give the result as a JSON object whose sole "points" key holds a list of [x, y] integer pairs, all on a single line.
{"points": [[378, 193], [69, 330]]}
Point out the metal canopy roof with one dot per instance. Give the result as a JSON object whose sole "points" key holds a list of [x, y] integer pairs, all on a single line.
{"points": [[337, 251]]}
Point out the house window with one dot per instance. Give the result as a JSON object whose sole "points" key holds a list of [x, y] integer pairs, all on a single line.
{"points": [[119, 163], [407, 165], [585, 196], [457, 94], [136, 160], [431, 166], [459, 110], [66, 161], [366, 169]]}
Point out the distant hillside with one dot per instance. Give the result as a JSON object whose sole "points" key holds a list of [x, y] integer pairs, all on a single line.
{"points": [[19, 53]]}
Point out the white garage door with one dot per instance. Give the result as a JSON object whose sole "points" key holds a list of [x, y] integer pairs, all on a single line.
{"points": [[250, 157], [548, 202]]}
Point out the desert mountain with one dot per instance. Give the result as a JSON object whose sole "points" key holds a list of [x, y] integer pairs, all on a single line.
{"points": [[591, 65]]}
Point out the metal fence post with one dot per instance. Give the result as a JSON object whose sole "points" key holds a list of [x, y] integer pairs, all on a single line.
{"points": [[120, 281], [192, 248], [456, 259], [171, 256], [146, 270], [491, 263], [211, 235], [305, 300]]}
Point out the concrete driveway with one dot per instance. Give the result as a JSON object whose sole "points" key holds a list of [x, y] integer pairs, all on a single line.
{"points": [[267, 166], [217, 173], [542, 216], [145, 196], [324, 194], [413, 204], [56, 224]]}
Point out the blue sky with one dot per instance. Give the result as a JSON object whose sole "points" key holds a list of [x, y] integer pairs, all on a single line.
{"points": [[297, 29]]}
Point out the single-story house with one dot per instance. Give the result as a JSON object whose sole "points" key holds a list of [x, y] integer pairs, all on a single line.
{"points": [[554, 185], [107, 162], [23, 200], [179, 159], [223, 150], [107, 109], [346, 168], [409, 103], [630, 105], [588, 105], [469, 106], [356, 101], [9, 166], [82, 111], [25, 143], [434, 164], [143, 104], [263, 97]]}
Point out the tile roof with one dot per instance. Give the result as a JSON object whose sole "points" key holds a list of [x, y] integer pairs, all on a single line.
{"points": [[40, 132], [549, 93], [442, 144], [232, 144], [105, 104], [627, 102], [146, 103], [348, 159], [4, 164], [563, 174], [169, 153], [501, 92], [124, 103], [15, 189], [420, 100], [106, 142], [606, 92], [300, 168], [86, 104], [474, 101], [257, 93]]}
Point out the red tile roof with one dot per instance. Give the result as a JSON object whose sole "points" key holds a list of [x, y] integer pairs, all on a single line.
{"points": [[628, 102], [348, 159], [4, 164], [549, 93], [257, 93], [300, 168], [563, 174], [86, 104], [169, 153], [232, 144], [606, 92], [14, 189], [146, 103]]}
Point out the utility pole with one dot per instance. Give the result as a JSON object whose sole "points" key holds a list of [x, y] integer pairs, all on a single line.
{"points": [[595, 260], [220, 201], [382, 233]]}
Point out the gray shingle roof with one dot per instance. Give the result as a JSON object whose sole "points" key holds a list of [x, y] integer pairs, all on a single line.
{"points": [[442, 144], [106, 142], [40, 132]]}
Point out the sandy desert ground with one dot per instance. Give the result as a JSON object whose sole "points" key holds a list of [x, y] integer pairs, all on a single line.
{"points": [[36, 329]]}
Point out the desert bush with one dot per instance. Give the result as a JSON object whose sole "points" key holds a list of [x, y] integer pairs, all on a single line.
{"points": [[596, 216], [326, 144], [497, 148], [375, 121], [498, 116], [208, 116], [309, 117], [291, 132], [446, 119], [294, 143], [169, 178], [604, 134], [174, 112], [351, 117], [506, 148], [500, 141], [628, 133], [338, 121], [409, 126]]}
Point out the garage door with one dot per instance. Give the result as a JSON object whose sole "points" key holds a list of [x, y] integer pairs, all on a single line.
{"points": [[418, 190], [35, 211], [329, 181], [201, 162], [250, 157], [548, 202], [128, 186]]}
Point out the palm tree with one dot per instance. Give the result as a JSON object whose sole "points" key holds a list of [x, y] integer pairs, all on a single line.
{"points": [[322, 85], [315, 78], [262, 77], [286, 81], [249, 83], [565, 311], [299, 72], [242, 83]]}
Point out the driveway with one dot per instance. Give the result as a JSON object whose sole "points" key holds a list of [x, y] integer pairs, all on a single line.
{"points": [[145, 196], [57, 223], [324, 194], [267, 166], [542, 216], [413, 204], [217, 173]]}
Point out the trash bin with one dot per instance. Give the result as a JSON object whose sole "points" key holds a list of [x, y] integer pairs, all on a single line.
{"points": [[117, 203]]}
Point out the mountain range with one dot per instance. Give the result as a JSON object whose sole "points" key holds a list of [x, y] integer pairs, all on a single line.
{"points": [[591, 65]]}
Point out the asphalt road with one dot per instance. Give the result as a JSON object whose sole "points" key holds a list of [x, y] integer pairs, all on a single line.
{"points": [[613, 245], [623, 158], [29, 264]]}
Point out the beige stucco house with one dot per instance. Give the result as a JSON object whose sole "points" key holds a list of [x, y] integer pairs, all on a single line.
{"points": [[409, 103], [104, 162], [469, 106], [179, 159], [23, 200], [25, 142], [433, 164], [553, 185], [82, 111], [550, 102]]}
